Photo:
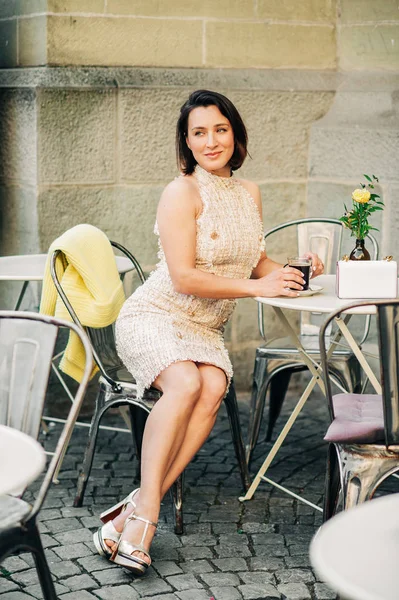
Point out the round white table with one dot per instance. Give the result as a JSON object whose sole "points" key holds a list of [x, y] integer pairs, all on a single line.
{"points": [[356, 552], [22, 459], [325, 301]]}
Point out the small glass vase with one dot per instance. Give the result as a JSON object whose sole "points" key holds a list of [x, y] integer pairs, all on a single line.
{"points": [[359, 252]]}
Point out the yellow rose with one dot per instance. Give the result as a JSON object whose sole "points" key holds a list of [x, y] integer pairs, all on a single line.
{"points": [[361, 196]]}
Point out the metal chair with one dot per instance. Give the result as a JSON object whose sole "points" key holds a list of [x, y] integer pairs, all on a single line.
{"points": [[277, 359], [117, 387], [364, 432], [27, 342]]}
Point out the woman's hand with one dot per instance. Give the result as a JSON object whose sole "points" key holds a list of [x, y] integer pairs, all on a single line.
{"points": [[317, 267], [285, 281]]}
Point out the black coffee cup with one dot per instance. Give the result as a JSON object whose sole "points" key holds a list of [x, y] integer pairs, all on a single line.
{"points": [[303, 265]]}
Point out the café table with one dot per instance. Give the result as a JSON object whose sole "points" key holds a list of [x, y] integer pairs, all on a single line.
{"points": [[356, 552], [22, 459], [30, 267], [325, 301]]}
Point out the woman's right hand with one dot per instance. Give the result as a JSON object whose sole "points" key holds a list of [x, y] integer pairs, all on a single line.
{"points": [[279, 282]]}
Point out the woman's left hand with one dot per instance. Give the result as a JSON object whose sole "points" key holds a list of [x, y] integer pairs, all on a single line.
{"points": [[317, 267]]}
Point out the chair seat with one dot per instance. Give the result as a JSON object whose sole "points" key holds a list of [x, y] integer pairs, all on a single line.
{"points": [[358, 418], [12, 511], [283, 347]]}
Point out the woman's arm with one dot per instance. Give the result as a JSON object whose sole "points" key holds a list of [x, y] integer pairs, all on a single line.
{"points": [[178, 209]]}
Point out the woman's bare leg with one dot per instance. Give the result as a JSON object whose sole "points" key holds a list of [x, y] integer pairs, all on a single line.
{"points": [[198, 427]]}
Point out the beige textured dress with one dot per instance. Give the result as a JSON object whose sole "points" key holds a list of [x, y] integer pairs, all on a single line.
{"points": [[158, 326]]}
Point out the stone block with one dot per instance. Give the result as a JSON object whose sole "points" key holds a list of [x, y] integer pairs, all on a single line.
{"points": [[148, 122], [294, 591], [27, 7], [254, 592], [291, 10], [338, 150], [390, 243], [119, 592], [369, 47], [243, 365], [231, 9], [358, 11], [32, 41], [225, 593], [8, 44], [18, 136], [278, 126], [76, 136], [252, 44], [8, 8], [76, 6], [147, 42], [18, 226]]}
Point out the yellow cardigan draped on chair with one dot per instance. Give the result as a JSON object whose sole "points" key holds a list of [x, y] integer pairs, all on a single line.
{"points": [[90, 279]]}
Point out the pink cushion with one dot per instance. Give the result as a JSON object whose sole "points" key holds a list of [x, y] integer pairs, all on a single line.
{"points": [[358, 418]]}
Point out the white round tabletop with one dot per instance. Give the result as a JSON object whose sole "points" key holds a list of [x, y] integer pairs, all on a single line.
{"points": [[22, 459], [325, 301], [356, 552], [30, 267]]}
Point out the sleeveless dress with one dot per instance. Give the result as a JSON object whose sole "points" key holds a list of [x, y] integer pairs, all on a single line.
{"points": [[158, 326]]}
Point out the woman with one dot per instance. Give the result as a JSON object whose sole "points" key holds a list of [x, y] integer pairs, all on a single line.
{"points": [[169, 332]]}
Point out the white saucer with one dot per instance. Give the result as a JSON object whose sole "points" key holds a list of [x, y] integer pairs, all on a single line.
{"points": [[314, 289]]}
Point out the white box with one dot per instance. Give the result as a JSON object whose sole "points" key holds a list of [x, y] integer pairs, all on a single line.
{"points": [[367, 279]]}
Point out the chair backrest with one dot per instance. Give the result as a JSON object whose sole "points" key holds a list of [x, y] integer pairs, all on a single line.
{"points": [[102, 339], [387, 316], [27, 342], [323, 236]]}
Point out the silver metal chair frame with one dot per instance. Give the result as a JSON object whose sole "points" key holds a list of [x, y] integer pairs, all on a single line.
{"points": [[23, 534], [275, 364], [356, 470], [118, 388]]}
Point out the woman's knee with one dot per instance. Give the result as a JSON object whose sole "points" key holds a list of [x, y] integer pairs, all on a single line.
{"points": [[183, 380], [213, 388]]}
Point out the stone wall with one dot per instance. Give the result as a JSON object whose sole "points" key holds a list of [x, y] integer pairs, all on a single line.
{"points": [[90, 91]]}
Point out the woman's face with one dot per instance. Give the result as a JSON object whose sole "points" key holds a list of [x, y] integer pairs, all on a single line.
{"points": [[210, 138]]}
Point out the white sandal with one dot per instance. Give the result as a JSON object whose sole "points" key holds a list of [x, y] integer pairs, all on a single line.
{"points": [[123, 555], [108, 531]]}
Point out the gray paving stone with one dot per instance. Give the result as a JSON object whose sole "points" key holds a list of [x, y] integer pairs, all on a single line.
{"points": [[294, 591], [199, 539], [112, 576], [299, 549], [293, 562], [167, 567], [259, 592], [117, 592], [197, 566], [91, 522], [80, 582], [28, 577], [232, 550], [323, 592], [260, 578], [221, 579], [16, 596], [230, 564], [270, 550], [256, 527], [184, 582], [36, 590], [151, 587], [95, 563], [266, 563], [72, 551], [226, 593], [47, 514], [73, 537], [7, 586], [14, 564], [295, 576], [193, 595], [64, 568], [195, 552], [59, 525]]}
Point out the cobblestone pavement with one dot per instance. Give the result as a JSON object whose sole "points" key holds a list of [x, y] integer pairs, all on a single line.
{"points": [[256, 550]]}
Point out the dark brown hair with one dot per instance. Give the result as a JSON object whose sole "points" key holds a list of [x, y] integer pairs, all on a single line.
{"points": [[185, 159]]}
